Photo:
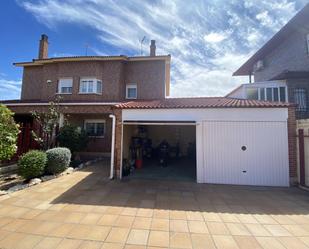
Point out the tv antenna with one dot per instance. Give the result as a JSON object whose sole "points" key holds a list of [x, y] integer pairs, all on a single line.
{"points": [[142, 41]]}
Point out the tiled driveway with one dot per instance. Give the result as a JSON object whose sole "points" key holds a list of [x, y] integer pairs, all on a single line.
{"points": [[85, 210]]}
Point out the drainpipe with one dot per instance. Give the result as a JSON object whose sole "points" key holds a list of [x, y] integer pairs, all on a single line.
{"points": [[113, 117]]}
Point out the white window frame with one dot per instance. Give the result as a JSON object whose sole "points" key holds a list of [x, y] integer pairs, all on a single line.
{"points": [[272, 92], [96, 121], [61, 82], [131, 86], [94, 87], [307, 42]]}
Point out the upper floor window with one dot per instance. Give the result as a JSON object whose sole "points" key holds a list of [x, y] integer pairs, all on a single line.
{"points": [[300, 98], [90, 85], [65, 85], [267, 93], [95, 127], [131, 91]]}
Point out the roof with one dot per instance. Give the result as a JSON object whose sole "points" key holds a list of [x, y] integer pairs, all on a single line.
{"points": [[35, 102], [205, 102], [299, 20], [39, 62]]}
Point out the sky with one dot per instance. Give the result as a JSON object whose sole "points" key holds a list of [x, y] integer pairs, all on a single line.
{"points": [[207, 39]]}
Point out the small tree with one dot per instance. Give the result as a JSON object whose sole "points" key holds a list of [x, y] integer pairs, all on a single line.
{"points": [[48, 122], [8, 133], [72, 137]]}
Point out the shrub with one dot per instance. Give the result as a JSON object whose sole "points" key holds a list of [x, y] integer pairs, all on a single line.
{"points": [[8, 133], [72, 137], [58, 159], [32, 164]]}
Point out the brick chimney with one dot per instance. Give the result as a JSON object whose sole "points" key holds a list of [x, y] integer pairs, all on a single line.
{"points": [[153, 48], [43, 49]]}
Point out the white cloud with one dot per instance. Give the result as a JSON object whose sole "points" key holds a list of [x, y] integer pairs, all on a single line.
{"points": [[9, 89], [215, 37], [208, 40]]}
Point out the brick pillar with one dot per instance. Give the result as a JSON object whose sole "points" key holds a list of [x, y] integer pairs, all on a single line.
{"points": [[118, 136], [292, 145]]}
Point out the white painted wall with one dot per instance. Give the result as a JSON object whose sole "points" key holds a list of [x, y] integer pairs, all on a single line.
{"points": [[265, 129]]}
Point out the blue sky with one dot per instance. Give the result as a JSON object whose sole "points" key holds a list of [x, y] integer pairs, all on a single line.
{"points": [[208, 40]]}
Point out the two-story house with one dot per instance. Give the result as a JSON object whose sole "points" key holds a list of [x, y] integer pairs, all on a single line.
{"points": [[281, 67], [122, 102]]}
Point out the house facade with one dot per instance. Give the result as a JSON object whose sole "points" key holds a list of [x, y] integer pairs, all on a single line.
{"points": [[280, 69], [123, 104]]}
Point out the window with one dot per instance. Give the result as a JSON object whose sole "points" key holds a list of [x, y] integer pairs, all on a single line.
{"points": [[267, 93], [252, 93], [131, 91], [90, 85], [300, 98], [95, 127], [282, 93], [65, 85]]}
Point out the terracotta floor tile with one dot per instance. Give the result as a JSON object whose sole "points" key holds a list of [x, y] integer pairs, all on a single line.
{"points": [[246, 242], [98, 233], [138, 237], [4, 233], [178, 215], [202, 241], [144, 212], [91, 219], [225, 242], [229, 218], [28, 242], [179, 226], [142, 223], [210, 216], [62, 230], [12, 240], [129, 211], [134, 247], [246, 218], [45, 228], [14, 225], [48, 243], [108, 245], [158, 239], [160, 224], [91, 245], [180, 240], [191, 215], [118, 235], [75, 217], [161, 214], [114, 210], [217, 228], [124, 221]]}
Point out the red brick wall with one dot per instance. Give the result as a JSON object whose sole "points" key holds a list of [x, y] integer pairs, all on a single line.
{"points": [[292, 145]]}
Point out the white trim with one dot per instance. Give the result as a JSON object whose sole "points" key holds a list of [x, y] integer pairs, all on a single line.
{"points": [[97, 121], [160, 123], [60, 87], [64, 104], [95, 85], [128, 86]]}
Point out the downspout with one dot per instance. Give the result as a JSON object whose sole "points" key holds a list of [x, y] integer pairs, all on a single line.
{"points": [[113, 117]]}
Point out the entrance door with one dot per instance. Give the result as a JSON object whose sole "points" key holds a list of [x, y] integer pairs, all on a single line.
{"points": [[246, 153]]}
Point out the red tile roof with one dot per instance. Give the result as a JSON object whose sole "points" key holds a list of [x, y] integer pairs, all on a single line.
{"points": [[206, 102]]}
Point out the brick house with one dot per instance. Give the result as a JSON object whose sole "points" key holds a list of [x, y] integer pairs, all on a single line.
{"points": [[280, 68], [123, 103]]}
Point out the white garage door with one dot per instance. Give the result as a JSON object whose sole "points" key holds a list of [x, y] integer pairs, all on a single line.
{"points": [[246, 153]]}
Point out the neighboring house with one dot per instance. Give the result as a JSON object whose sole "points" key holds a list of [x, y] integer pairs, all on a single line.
{"points": [[281, 67], [125, 99]]}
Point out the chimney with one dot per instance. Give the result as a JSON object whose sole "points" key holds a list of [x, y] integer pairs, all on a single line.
{"points": [[43, 49], [153, 48]]}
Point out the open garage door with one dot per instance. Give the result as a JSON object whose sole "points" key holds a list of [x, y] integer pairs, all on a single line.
{"points": [[246, 153]]}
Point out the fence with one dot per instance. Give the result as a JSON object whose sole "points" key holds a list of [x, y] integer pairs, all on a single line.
{"points": [[303, 151]]}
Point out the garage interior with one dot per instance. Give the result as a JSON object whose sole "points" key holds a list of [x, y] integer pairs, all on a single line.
{"points": [[164, 151]]}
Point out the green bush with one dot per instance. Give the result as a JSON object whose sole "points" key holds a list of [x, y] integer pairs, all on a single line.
{"points": [[58, 159], [72, 137], [8, 133], [32, 164]]}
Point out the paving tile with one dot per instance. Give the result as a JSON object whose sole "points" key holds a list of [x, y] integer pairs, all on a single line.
{"points": [[245, 242], [197, 227], [14, 225], [130, 211], [161, 214], [265, 219], [142, 223], [305, 240], [75, 217], [91, 245], [91, 219], [246, 218], [69, 244], [179, 226], [296, 230], [277, 230], [48, 243], [257, 230], [229, 218], [225, 242], [217, 228], [202, 241], [160, 224], [134, 247], [237, 229], [144, 212], [292, 243], [108, 245], [191, 215], [158, 239], [11, 240], [210, 216], [118, 235], [108, 219], [269, 243], [180, 240], [98, 233], [138, 237], [124, 221], [62, 230], [28, 242]]}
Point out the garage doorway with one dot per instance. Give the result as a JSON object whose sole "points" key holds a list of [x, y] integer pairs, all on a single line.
{"points": [[156, 150]]}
